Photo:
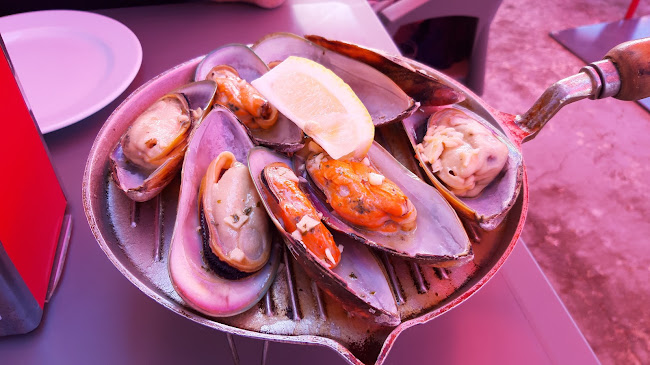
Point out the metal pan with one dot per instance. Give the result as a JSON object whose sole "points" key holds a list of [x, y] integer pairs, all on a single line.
{"points": [[136, 237]]}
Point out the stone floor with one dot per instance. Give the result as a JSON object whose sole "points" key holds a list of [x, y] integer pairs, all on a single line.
{"points": [[589, 176]]}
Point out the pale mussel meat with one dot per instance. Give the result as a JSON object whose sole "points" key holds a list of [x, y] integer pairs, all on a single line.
{"points": [[234, 226], [247, 254], [233, 67], [151, 151], [386, 101], [351, 273], [485, 203]]}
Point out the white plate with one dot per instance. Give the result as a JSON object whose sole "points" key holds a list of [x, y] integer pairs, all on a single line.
{"points": [[70, 63]]}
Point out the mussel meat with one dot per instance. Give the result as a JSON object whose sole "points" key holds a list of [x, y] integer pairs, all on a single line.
{"points": [[479, 170], [358, 193], [415, 222], [214, 291], [233, 67], [298, 215], [158, 133], [151, 151], [237, 240], [461, 152], [242, 99], [358, 280]]}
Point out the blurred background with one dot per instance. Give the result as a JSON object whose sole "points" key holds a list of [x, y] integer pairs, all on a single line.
{"points": [[588, 176]]}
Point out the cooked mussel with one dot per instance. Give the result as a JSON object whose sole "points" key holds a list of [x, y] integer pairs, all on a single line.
{"points": [[298, 215], [415, 222], [151, 151], [233, 67], [201, 286], [492, 157], [235, 228], [416, 82], [234, 93], [360, 195], [461, 152], [385, 101], [358, 279], [433, 94]]}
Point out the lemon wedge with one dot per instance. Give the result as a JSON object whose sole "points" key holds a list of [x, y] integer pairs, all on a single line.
{"points": [[321, 104]]}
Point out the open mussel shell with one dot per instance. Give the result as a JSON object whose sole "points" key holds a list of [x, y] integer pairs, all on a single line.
{"points": [[417, 83], [200, 287], [358, 281], [283, 136], [386, 102], [439, 238], [490, 207], [141, 185], [238, 56]]}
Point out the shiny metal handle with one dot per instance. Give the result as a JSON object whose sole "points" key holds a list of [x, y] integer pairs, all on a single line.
{"points": [[623, 74]]}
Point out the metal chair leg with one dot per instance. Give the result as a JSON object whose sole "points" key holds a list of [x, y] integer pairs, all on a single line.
{"points": [[233, 348], [265, 352]]}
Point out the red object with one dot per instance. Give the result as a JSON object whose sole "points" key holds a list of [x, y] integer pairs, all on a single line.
{"points": [[631, 9], [32, 204]]}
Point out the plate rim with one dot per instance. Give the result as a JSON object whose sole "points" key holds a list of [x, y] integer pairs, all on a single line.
{"points": [[105, 29]]}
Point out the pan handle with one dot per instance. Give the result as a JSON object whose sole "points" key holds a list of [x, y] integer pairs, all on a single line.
{"points": [[624, 73], [632, 60]]}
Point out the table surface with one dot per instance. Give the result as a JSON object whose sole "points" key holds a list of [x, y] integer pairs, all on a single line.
{"points": [[97, 316]]}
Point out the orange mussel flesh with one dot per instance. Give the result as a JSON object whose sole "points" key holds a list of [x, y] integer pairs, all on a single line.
{"points": [[234, 93], [298, 215], [361, 195]]}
